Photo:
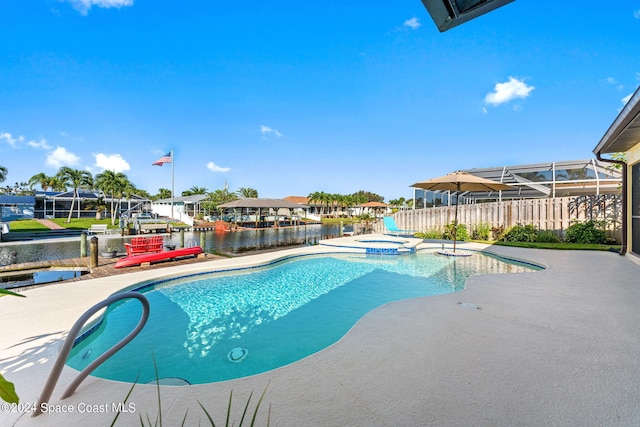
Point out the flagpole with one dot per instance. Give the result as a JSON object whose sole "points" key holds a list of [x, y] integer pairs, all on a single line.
{"points": [[172, 181]]}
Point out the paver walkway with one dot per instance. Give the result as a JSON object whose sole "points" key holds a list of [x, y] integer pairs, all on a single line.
{"points": [[52, 225]]}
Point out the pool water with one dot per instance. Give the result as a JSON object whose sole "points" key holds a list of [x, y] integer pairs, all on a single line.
{"points": [[274, 316]]}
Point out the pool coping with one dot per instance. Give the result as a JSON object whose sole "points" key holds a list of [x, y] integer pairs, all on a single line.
{"points": [[567, 319]]}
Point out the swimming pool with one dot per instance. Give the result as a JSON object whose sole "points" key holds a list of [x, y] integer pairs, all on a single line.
{"points": [[223, 326]]}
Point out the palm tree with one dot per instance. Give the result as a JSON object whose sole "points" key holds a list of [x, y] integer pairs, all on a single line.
{"points": [[314, 197], [347, 201], [327, 198], [247, 192], [77, 179], [163, 193], [113, 183], [195, 190], [3, 173], [45, 182]]}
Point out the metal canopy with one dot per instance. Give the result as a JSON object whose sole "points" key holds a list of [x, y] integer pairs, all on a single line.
{"points": [[551, 179], [447, 14], [624, 132]]}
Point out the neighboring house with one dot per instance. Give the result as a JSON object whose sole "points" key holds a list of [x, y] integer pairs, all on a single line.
{"points": [[624, 137], [183, 208], [56, 204]]}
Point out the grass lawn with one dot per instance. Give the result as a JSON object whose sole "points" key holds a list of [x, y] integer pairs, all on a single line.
{"points": [[28, 225], [339, 220]]}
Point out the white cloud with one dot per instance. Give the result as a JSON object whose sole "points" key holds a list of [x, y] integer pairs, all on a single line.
{"points": [[215, 168], [42, 144], [83, 6], [61, 157], [508, 91], [413, 23], [9, 139], [636, 14], [112, 162], [266, 130], [626, 99]]}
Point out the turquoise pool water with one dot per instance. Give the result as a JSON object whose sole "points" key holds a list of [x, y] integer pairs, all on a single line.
{"points": [[274, 316]]}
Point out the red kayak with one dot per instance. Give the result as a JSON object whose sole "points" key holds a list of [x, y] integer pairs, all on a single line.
{"points": [[157, 256]]}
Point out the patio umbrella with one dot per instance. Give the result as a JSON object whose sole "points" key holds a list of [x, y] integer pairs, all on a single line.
{"points": [[460, 182]]}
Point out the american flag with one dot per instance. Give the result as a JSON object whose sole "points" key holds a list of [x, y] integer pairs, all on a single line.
{"points": [[162, 160]]}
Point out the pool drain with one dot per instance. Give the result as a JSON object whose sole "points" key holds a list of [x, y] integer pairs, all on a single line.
{"points": [[237, 355]]}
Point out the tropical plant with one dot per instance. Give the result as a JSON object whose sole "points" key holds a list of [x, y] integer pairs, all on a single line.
{"points": [[547, 236], [586, 232], [163, 193], [113, 183], [7, 389], [216, 198], [522, 233], [481, 231], [461, 232], [3, 173], [18, 189], [194, 190], [369, 196], [247, 192], [317, 197], [76, 179], [45, 182], [498, 232], [429, 234]]}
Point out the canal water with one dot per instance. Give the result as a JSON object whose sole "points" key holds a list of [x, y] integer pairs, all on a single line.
{"points": [[225, 243]]}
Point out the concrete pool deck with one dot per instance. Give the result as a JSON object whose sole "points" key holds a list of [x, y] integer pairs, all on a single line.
{"points": [[554, 347]]}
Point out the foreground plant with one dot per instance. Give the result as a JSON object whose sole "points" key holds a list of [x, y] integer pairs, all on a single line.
{"points": [[158, 418], [7, 389], [244, 413]]}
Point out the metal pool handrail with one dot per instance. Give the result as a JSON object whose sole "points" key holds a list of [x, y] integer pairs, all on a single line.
{"points": [[68, 344]]}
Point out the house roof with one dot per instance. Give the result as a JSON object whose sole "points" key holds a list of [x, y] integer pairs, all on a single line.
{"points": [[624, 132], [7, 199], [374, 205], [249, 202], [70, 195], [297, 199]]}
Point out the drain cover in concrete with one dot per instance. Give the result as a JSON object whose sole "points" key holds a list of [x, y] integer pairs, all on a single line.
{"points": [[469, 305]]}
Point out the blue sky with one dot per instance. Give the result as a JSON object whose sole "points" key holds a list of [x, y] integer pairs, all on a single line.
{"points": [[290, 97]]}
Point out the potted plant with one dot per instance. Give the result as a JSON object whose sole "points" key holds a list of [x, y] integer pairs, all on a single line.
{"points": [[110, 250]]}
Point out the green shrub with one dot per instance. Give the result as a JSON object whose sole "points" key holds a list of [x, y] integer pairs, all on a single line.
{"points": [[522, 233], [586, 232], [481, 231], [430, 234], [547, 236], [461, 232]]}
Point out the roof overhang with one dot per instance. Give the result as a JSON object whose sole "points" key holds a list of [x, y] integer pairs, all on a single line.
{"points": [[624, 133], [450, 13], [261, 203]]}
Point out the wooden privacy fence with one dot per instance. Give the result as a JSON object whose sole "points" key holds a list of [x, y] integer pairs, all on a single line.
{"points": [[554, 214]]}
